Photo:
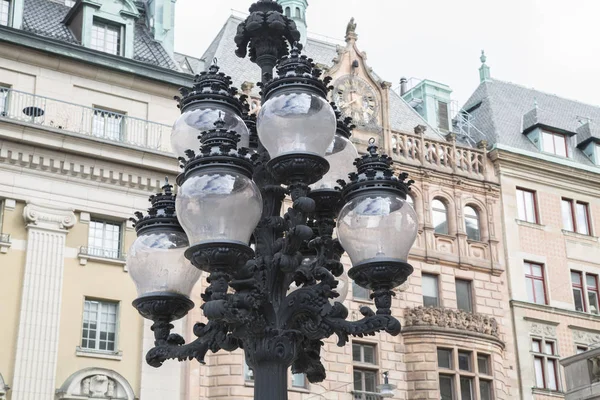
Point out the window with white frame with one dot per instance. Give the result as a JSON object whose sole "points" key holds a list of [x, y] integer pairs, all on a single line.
{"points": [[99, 325], [4, 97], [5, 6], [108, 124], [299, 381], [431, 291], [106, 37], [585, 291], [365, 371], [575, 216], [248, 373], [464, 375], [439, 214], [104, 239], [472, 225], [464, 295], [554, 143], [360, 293], [545, 363]]}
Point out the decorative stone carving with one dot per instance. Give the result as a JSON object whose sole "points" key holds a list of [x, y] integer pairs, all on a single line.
{"points": [[449, 318], [590, 339], [49, 217], [95, 383], [544, 330]]}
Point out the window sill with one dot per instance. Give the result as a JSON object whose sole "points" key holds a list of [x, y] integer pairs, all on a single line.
{"points": [[84, 258], [298, 389], [108, 355], [363, 301], [444, 235], [478, 242], [530, 224], [548, 392], [581, 236]]}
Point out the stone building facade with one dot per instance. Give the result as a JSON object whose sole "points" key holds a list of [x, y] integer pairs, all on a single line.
{"points": [[86, 106], [544, 151]]}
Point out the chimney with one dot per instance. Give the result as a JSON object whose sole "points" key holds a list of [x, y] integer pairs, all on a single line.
{"points": [[160, 18], [403, 88]]}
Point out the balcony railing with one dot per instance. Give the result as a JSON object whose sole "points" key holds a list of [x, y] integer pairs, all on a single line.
{"points": [[75, 118], [4, 237], [366, 396], [102, 253], [416, 149]]}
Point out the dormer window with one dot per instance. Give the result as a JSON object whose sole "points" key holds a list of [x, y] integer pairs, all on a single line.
{"points": [[106, 37], [4, 12], [554, 143]]}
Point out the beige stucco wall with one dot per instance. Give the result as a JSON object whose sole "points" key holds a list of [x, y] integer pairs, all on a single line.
{"points": [[560, 252]]}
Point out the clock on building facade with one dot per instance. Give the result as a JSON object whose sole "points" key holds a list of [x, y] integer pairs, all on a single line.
{"points": [[356, 99]]}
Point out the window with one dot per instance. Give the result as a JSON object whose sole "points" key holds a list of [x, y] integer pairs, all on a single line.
{"points": [[464, 370], [545, 362], [106, 38], [472, 224], [4, 12], [526, 204], [104, 239], [463, 295], [440, 217], [299, 380], [99, 325], [534, 283], [4, 94], [429, 284], [107, 124], [298, 12], [554, 143], [360, 293], [443, 121], [248, 373], [288, 12], [575, 216], [365, 379], [585, 296]]}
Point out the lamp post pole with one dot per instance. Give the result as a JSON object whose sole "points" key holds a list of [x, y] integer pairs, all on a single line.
{"points": [[230, 196]]}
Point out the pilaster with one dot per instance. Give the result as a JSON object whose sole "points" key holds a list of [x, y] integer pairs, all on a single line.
{"points": [[39, 320]]}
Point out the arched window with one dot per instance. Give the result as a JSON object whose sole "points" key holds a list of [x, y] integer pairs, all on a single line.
{"points": [[440, 217], [298, 12], [472, 225], [288, 12]]}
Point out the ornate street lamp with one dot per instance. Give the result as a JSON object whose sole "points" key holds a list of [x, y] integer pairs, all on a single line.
{"points": [[277, 299]]}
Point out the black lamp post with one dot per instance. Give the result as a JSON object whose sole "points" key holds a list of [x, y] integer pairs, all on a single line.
{"points": [[230, 196]]}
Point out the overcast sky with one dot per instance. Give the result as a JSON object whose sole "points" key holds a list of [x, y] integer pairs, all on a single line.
{"points": [[550, 45]]}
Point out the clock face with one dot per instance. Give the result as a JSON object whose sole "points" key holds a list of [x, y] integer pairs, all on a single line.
{"points": [[356, 99]]}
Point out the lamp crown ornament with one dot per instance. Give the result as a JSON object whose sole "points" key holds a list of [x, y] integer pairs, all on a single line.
{"points": [[297, 70], [344, 125], [374, 170], [161, 214], [210, 85]]}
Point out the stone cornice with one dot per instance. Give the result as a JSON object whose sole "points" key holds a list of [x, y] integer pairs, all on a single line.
{"points": [[564, 174], [554, 310], [408, 331], [47, 217], [79, 53]]}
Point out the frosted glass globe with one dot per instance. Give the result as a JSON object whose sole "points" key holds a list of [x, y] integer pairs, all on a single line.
{"points": [[296, 122], [156, 263], [340, 154], [217, 204], [377, 226], [196, 120]]}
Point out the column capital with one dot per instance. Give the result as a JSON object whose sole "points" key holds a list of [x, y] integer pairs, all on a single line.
{"points": [[48, 217]]}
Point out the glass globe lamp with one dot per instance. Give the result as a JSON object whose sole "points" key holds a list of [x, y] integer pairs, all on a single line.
{"points": [[201, 117], [340, 154], [296, 120], [157, 264], [376, 227], [217, 203]]}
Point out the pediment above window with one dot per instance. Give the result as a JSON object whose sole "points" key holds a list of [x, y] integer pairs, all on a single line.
{"points": [[95, 383]]}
